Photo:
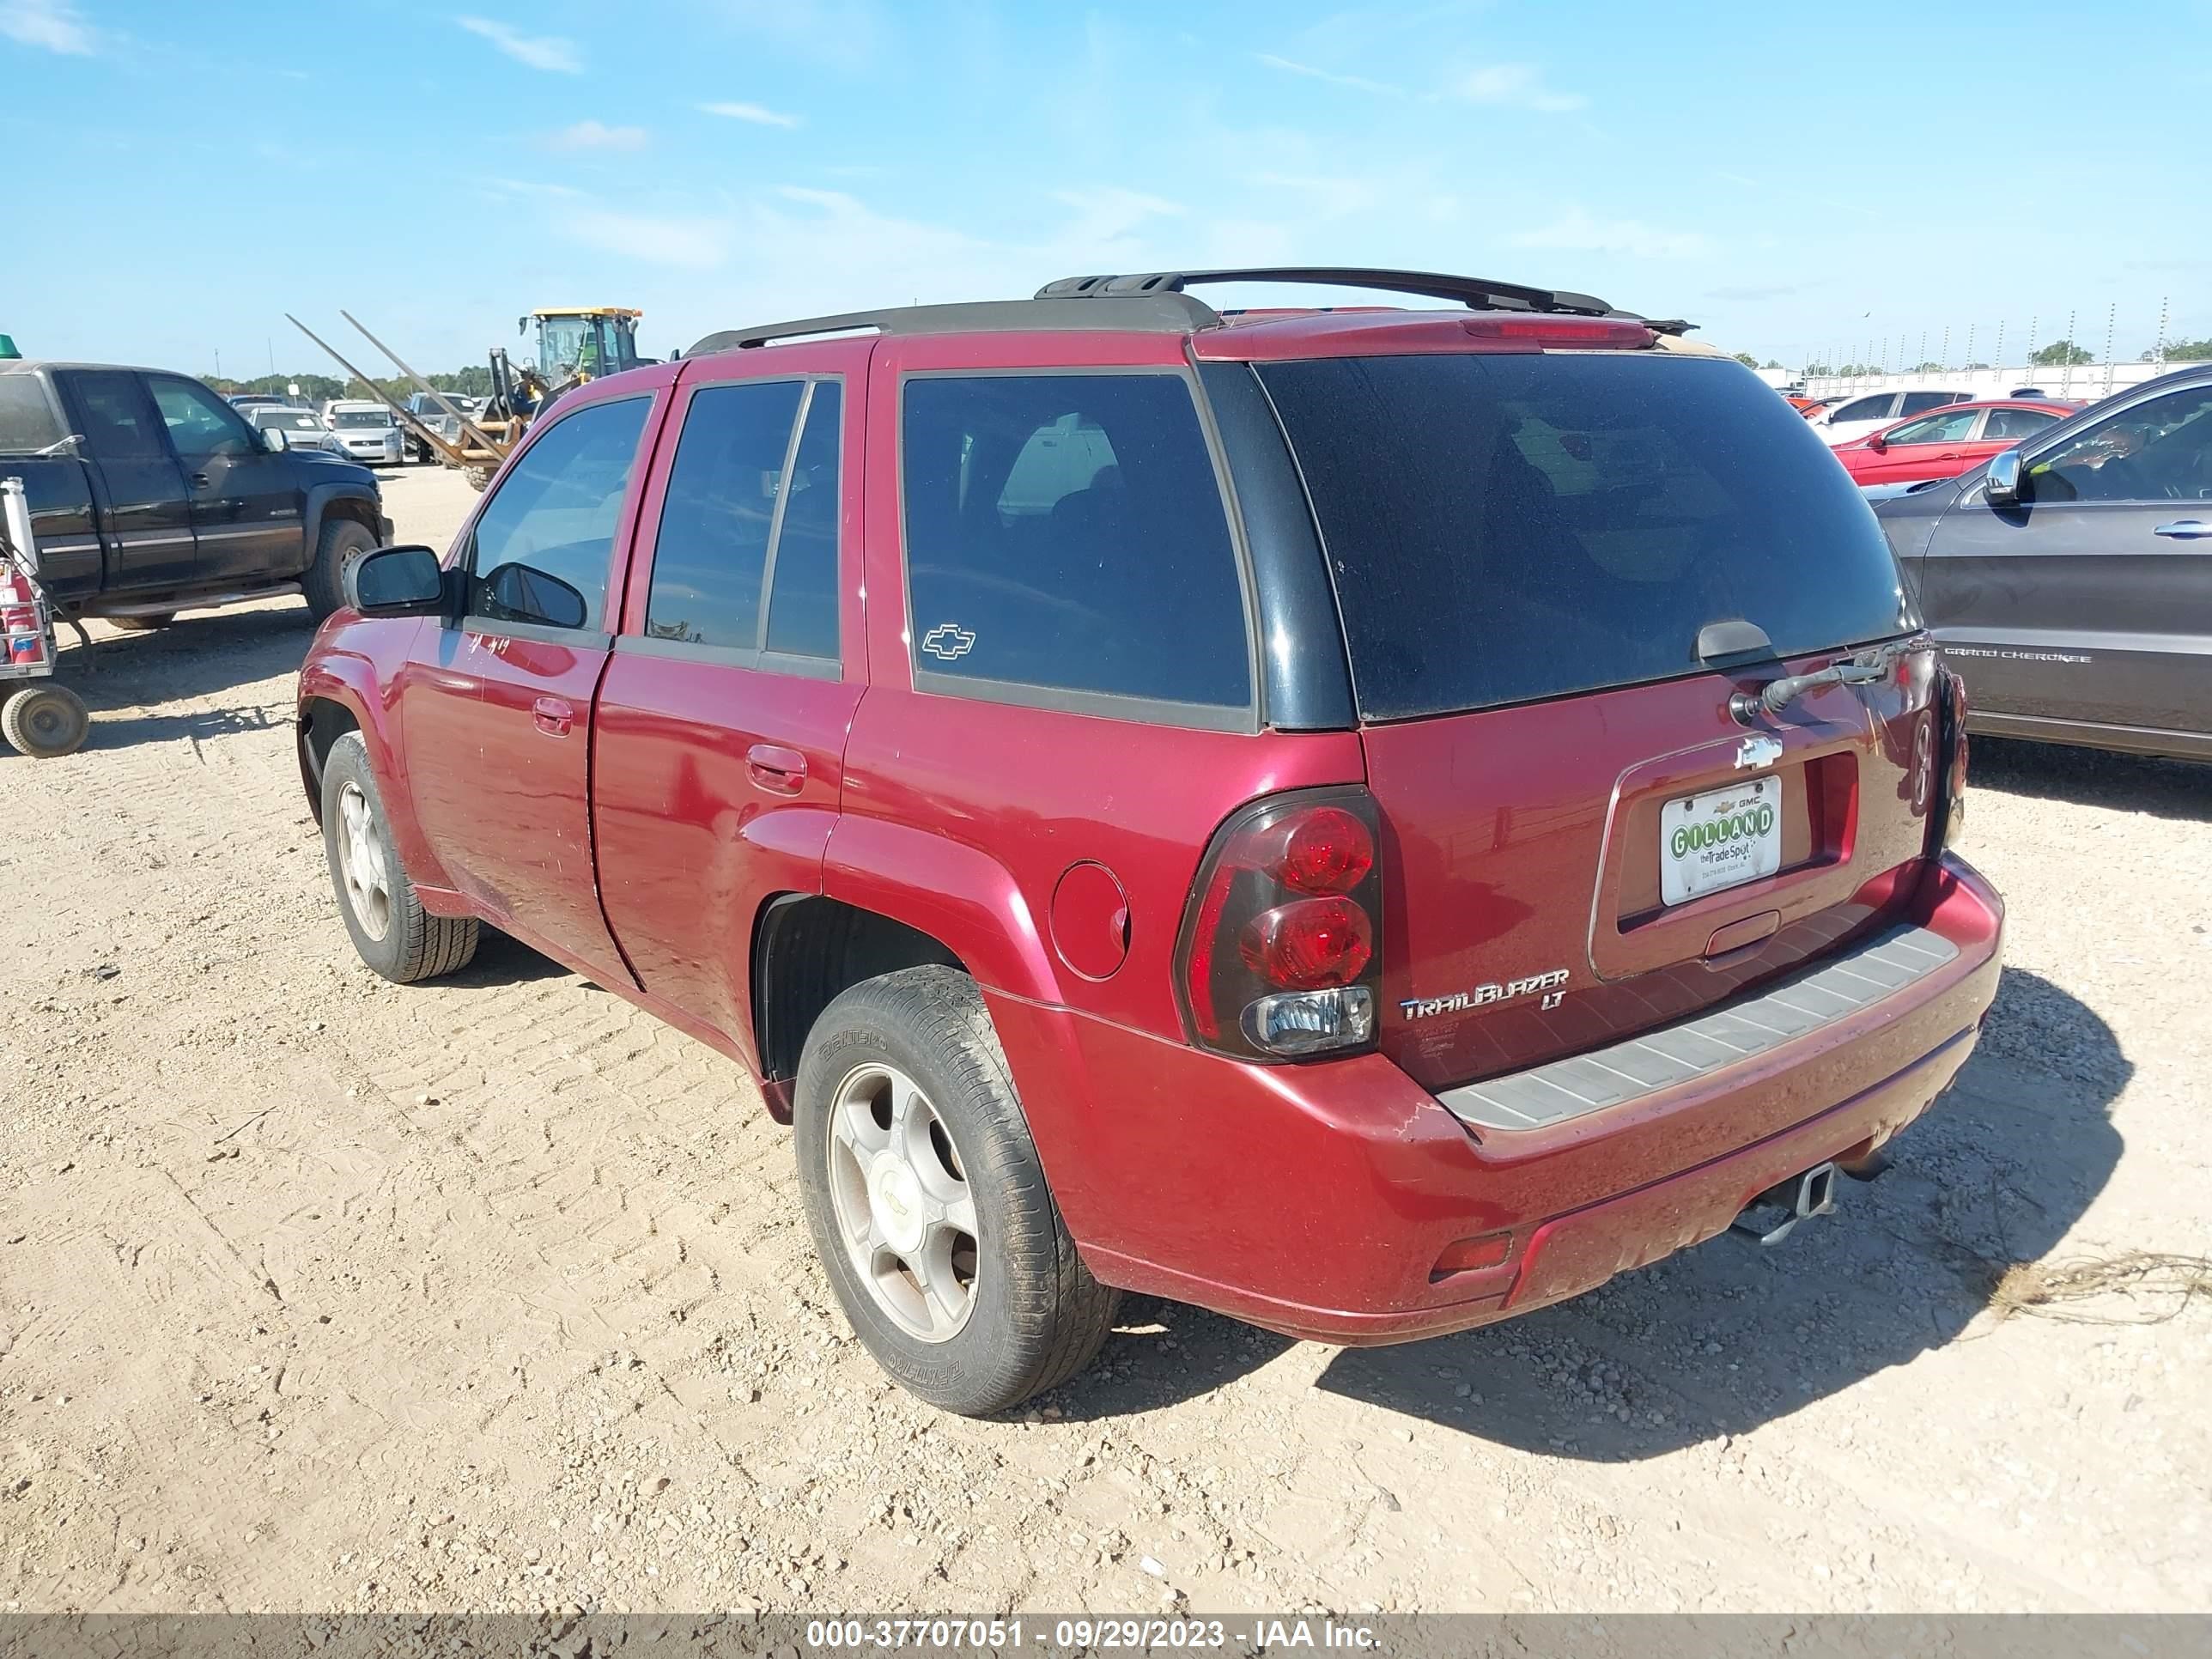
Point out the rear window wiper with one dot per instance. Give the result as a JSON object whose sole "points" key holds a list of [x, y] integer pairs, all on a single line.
{"points": [[1775, 696]]}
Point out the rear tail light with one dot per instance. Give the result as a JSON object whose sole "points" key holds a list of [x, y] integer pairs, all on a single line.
{"points": [[1544, 330], [1949, 808], [1281, 953]]}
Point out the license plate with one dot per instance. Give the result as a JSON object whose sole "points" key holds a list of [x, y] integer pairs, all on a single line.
{"points": [[1719, 839]]}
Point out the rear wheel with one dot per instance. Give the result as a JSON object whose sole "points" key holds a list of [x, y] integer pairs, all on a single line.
{"points": [[45, 720], [927, 1202], [343, 544], [390, 930], [142, 624]]}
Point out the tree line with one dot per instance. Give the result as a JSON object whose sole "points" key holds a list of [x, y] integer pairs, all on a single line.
{"points": [[474, 382]]}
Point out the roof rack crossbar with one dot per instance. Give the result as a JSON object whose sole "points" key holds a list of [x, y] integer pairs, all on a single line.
{"points": [[1164, 313], [1475, 292]]}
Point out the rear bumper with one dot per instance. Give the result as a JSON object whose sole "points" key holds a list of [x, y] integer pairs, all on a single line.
{"points": [[1313, 1200]]}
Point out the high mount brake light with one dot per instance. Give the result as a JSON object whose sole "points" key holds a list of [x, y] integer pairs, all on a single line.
{"points": [[1281, 951], [1547, 330]]}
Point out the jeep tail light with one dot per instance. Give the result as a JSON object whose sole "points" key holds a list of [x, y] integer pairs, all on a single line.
{"points": [[1949, 797], [1281, 953]]}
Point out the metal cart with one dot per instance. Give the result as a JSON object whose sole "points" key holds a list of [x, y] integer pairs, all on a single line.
{"points": [[39, 716]]}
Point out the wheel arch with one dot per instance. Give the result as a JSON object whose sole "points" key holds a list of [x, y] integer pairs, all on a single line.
{"points": [[338, 695]]}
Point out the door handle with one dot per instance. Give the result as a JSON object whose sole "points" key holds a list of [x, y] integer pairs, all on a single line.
{"points": [[199, 481], [553, 716], [2184, 529], [779, 770]]}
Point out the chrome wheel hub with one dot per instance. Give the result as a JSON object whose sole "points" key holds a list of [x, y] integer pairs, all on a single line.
{"points": [[362, 864], [899, 1193]]}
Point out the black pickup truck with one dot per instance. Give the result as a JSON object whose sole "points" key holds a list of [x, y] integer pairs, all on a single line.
{"points": [[150, 494]]}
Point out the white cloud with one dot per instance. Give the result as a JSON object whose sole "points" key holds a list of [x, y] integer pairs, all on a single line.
{"points": [[754, 113], [597, 135], [1517, 86], [1327, 195], [541, 52], [54, 24], [1578, 231], [1357, 82], [690, 243]]}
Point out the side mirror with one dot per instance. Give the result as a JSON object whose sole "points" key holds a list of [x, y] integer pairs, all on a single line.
{"points": [[275, 439], [2004, 485], [1876, 442], [397, 581], [517, 592]]}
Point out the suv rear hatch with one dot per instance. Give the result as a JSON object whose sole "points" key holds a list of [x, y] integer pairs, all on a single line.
{"points": [[1580, 841]]}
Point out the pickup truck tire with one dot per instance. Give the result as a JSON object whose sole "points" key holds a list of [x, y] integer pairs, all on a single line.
{"points": [[142, 624], [903, 1105], [340, 545], [390, 930], [44, 720]]}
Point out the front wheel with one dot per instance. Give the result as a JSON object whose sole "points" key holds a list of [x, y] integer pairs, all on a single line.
{"points": [[145, 624], [45, 722], [390, 930], [928, 1204], [342, 545]]}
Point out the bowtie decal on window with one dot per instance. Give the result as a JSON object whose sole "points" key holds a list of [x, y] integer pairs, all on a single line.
{"points": [[948, 641]]}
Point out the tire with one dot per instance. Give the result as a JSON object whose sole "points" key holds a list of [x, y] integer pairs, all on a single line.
{"points": [[1030, 1315], [477, 476], [341, 546], [397, 937], [45, 720], [141, 625]]}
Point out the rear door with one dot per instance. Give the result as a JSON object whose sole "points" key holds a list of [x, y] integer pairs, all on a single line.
{"points": [[2090, 604], [145, 509], [720, 735], [1580, 841], [57, 487], [245, 500], [496, 709]]}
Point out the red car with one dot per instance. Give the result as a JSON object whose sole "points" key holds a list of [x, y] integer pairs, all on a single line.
{"points": [[1370, 822], [1947, 443]]}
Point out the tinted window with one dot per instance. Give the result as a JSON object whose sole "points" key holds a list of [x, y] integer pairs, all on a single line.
{"points": [[112, 413], [711, 550], [27, 422], [200, 423], [802, 613], [555, 513], [2157, 450], [1936, 429], [1067, 531], [1917, 401], [2016, 423], [1503, 528], [1865, 409]]}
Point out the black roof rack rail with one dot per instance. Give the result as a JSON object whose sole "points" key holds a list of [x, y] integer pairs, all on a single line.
{"points": [[1167, 312], [1474, 292]]}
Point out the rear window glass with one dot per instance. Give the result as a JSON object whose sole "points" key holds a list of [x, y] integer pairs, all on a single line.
{"points": [[1506, 528], [1067, 532], [27, 420], [712, 551]]}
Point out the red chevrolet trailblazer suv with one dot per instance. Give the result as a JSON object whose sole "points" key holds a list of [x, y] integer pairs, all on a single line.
{"points": [[1370, 821]]}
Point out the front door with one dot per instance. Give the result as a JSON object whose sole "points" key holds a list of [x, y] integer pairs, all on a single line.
{"points": [[2091, 603], [246, 502], [144, 511], [1931, 448], [498, 708]]}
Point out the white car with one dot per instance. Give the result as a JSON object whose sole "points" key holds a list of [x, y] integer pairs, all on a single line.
{"points": [[1854, 418], [301, 429], [366, 431]]}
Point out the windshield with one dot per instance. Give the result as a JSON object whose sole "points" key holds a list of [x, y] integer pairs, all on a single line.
{"points": [[291, 420], [1503, 528], [350, 418]]}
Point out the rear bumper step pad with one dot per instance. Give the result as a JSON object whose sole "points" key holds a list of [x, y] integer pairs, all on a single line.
{"points": [[1840, 986]]}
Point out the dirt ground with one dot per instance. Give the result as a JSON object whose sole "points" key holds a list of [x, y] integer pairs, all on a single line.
{"points": [[317, 1293]]}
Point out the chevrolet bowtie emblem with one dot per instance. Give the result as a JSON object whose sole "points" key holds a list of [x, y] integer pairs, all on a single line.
{"points": [[1757, 750]]}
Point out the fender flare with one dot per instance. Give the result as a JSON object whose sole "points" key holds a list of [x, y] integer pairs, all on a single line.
{"points": [[314, 507], [956, 893], [349, 682]]}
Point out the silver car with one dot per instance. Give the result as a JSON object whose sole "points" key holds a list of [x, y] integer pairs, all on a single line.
{"points": [[301, 429], [366, 431]]}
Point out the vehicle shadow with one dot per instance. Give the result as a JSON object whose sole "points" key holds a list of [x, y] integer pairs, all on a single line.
{"points": [[2090, 777], [502, 959], [1729, 1335], [196, 656]]}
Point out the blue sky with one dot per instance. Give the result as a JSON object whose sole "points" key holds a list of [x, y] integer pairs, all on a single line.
{"points": [[1796, 178]]}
